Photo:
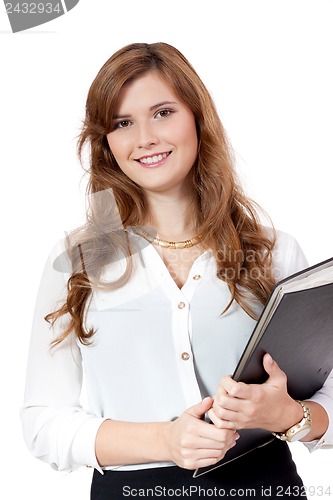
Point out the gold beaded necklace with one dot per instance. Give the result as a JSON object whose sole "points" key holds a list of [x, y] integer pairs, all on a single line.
{"points": [[173, 245]]}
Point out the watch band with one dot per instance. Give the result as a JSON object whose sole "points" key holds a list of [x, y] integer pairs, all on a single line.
{"points": [[299, 430]]}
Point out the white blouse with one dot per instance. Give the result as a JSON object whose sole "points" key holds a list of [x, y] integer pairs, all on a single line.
{"points": [[157, 350]]}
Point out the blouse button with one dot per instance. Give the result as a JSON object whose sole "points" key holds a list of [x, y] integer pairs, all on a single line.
{"points": [[181, 305], [185, 356], [196, 277]]}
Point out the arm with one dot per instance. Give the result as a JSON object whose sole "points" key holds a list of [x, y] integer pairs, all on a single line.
{"points": [[189, 441], [56, 428], [282, 411], [322, 399], [267, 406], [60, 432]]}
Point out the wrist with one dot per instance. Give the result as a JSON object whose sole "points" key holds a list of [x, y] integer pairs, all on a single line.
{"points": [[300, 429], [164, 440], [291, 416]]}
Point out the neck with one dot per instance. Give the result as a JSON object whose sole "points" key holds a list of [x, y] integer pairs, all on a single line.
{"points": [[172, 216]]}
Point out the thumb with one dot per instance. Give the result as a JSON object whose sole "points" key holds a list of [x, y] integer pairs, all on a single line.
{"points": [[201, 408], [272, 368]]}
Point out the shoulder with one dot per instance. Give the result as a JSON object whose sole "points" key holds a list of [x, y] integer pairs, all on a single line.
{"points": [[59, 258], [287, 256]]}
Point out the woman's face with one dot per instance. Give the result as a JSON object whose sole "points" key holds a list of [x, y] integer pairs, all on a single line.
{"points": [[153, 136]]}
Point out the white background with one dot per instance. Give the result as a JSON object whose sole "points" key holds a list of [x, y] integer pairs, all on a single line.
{"points": [[268, 64]]}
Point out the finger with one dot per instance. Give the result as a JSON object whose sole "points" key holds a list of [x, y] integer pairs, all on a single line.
{"points": [[220, 440], [231, 413], [206, 462], [226, 436], [195, 457], [223, 432], [276, 375], [221, 389], [201, 408], [233, 388], [205, 458], [214, 444], [221, 423], [228, 403]]}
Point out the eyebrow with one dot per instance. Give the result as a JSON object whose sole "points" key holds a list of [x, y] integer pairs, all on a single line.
{"points": [[152, 108]]}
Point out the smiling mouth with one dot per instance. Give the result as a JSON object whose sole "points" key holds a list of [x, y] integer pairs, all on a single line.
{"points": [[149, 160]]}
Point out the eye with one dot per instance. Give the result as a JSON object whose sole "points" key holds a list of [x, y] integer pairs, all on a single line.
{"points": [[164, 113], [122, 124]]}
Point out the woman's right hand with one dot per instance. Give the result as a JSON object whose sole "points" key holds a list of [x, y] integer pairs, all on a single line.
{"points": [[192, 442]]}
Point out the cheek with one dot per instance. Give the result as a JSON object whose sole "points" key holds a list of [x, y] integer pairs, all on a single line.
{"points": [[189, 138], [188, 134], [118, 148], [111, 145]]}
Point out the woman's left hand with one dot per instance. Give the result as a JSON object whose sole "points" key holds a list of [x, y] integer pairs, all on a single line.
{"points": [[267, 406]]}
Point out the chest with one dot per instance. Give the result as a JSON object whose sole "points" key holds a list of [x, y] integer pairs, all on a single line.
{"points": [[179, 262], [150, 333]]}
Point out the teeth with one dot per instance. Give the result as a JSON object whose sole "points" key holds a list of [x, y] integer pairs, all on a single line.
{"points": [[153, 159]]}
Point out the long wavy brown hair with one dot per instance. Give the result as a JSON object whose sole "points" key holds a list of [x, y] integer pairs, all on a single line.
{"points": [[224, 215]]}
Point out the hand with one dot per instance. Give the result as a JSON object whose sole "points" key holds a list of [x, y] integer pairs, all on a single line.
{"points": [[194, 443], [267, 406]]}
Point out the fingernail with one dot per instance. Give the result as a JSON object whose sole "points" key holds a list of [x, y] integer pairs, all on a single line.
{"points": [[269, 359], [237, 436]]}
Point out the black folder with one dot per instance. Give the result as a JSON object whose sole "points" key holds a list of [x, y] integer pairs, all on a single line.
{"points": [[296, 328]]}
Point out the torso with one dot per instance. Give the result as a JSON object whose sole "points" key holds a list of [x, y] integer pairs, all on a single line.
{"points": [[179, 262]]}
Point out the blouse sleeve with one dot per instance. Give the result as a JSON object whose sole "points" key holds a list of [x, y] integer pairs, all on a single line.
{"points": [[325, 398], [56, 428], [288, 258]]}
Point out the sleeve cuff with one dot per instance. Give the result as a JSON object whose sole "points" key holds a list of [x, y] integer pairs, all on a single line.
{"points": [[326, 441], [83, 449]]}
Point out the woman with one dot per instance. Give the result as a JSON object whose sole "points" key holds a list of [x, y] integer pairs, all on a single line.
{"points": [[156, 297]]}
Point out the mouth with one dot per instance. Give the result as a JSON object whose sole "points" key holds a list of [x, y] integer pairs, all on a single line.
{"points": [[153, 160]]}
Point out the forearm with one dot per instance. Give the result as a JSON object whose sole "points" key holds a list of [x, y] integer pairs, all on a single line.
{"points": [[119, 443], [189, 441]]}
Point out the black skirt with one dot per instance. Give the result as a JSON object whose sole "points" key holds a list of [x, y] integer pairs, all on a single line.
{"points": [[268, 472]]}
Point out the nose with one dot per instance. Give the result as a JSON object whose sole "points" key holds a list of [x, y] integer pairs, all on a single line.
{"points": [[146, 136]]}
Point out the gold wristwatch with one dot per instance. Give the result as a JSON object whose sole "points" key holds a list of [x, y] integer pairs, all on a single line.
{"points": [[299, 430]]}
